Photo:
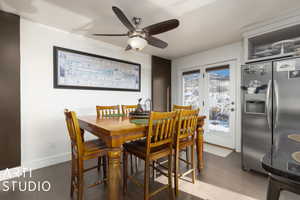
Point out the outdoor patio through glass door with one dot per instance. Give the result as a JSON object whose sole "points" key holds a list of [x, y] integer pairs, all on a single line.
{"points": [[211, 88], [219, 105]]}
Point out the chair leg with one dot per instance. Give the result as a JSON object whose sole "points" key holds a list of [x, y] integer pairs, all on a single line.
{"points": [[104, 167], [125, 171], [153, 171], [187, 155], [99, 163], [72, 188], [80, 180], [193, 164], [72, 177], [146, 179], [176, 181], [170, 176], [136, 164], [131, 164], [273, 190]]}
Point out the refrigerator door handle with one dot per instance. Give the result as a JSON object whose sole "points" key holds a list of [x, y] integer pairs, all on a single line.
{"points": [[277, 102], [268, 104]]}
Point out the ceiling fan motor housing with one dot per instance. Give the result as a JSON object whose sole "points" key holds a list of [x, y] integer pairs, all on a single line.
{"points": [[138, 33]]}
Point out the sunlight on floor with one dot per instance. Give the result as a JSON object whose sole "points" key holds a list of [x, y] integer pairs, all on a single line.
{"points": [[218, 151], [207, 191]]}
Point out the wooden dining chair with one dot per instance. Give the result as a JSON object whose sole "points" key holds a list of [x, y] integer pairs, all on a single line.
{"points": [[126, 109], [158, 144], [103, 111], [178, 108], [82, 151], [185, 138]]}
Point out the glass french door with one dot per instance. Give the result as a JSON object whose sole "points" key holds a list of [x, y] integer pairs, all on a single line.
{"points": [[212, 89], [219, 105]]}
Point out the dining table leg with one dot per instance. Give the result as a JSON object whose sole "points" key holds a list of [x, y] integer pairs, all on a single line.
{"points": [[199, 145], [114, 174]]}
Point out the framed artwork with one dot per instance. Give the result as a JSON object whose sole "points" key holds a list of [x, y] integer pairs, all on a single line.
{"points": [[80, 70]]}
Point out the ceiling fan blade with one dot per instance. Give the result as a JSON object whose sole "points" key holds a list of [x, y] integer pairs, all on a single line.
{"points": [[125, 34], [128, 48], [156, 42], [122, 17], [162, 27]]}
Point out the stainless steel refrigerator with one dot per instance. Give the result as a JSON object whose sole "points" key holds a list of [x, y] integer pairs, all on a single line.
{"points": [[270, 107]]}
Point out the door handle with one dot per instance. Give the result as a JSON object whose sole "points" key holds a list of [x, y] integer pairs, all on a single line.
{"points": [[268, 104]]}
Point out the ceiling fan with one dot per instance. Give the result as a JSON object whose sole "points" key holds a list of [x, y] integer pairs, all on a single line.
{"points": [[140, 37]]}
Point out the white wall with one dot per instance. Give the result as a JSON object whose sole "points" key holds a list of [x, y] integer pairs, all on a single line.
{"points": [[44, 135], [225, 53]]}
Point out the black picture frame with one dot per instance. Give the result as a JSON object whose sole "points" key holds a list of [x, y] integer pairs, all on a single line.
{"points": [[56, 85]]}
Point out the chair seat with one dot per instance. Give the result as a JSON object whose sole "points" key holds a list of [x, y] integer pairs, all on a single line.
{"points": [[95, 148], [138, 148]]}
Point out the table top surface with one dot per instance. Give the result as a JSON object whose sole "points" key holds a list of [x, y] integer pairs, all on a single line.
{"points": [[116, 125], [112, 125], [280, 161]]}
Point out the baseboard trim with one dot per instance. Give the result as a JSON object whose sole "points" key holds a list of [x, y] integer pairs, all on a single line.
{"points": [[48, 161], [219, 146], [34, 165]]}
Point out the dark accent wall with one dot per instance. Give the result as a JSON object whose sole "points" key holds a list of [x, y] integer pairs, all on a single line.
{"points": [[10, 137], [161, 84]]}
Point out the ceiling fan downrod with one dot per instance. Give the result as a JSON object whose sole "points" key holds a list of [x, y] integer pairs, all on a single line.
{"points": [[137, 21]]}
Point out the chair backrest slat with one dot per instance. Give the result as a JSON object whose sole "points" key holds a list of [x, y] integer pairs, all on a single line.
{"points": [[102, 111], [126, 109], [157, 132], [163, 131], [166, 134], [184, 126]]}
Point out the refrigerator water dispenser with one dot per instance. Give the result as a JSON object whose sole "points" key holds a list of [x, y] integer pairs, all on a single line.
{"points": [[255, 104]]}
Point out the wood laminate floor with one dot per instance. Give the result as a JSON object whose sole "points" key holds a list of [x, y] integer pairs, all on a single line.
{"points": [[220, 172]]}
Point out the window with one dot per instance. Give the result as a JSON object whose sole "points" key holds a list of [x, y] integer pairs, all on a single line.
{"points": [[191, 84]]}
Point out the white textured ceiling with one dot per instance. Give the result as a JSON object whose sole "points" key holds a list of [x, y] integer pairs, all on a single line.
{"points": [[204, 24]]}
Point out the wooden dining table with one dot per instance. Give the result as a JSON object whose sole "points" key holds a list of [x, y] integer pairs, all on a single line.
{"points": [[115, 131]]}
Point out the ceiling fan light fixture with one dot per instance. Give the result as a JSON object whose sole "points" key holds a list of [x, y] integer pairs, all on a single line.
{"points": [[137, 43]]}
